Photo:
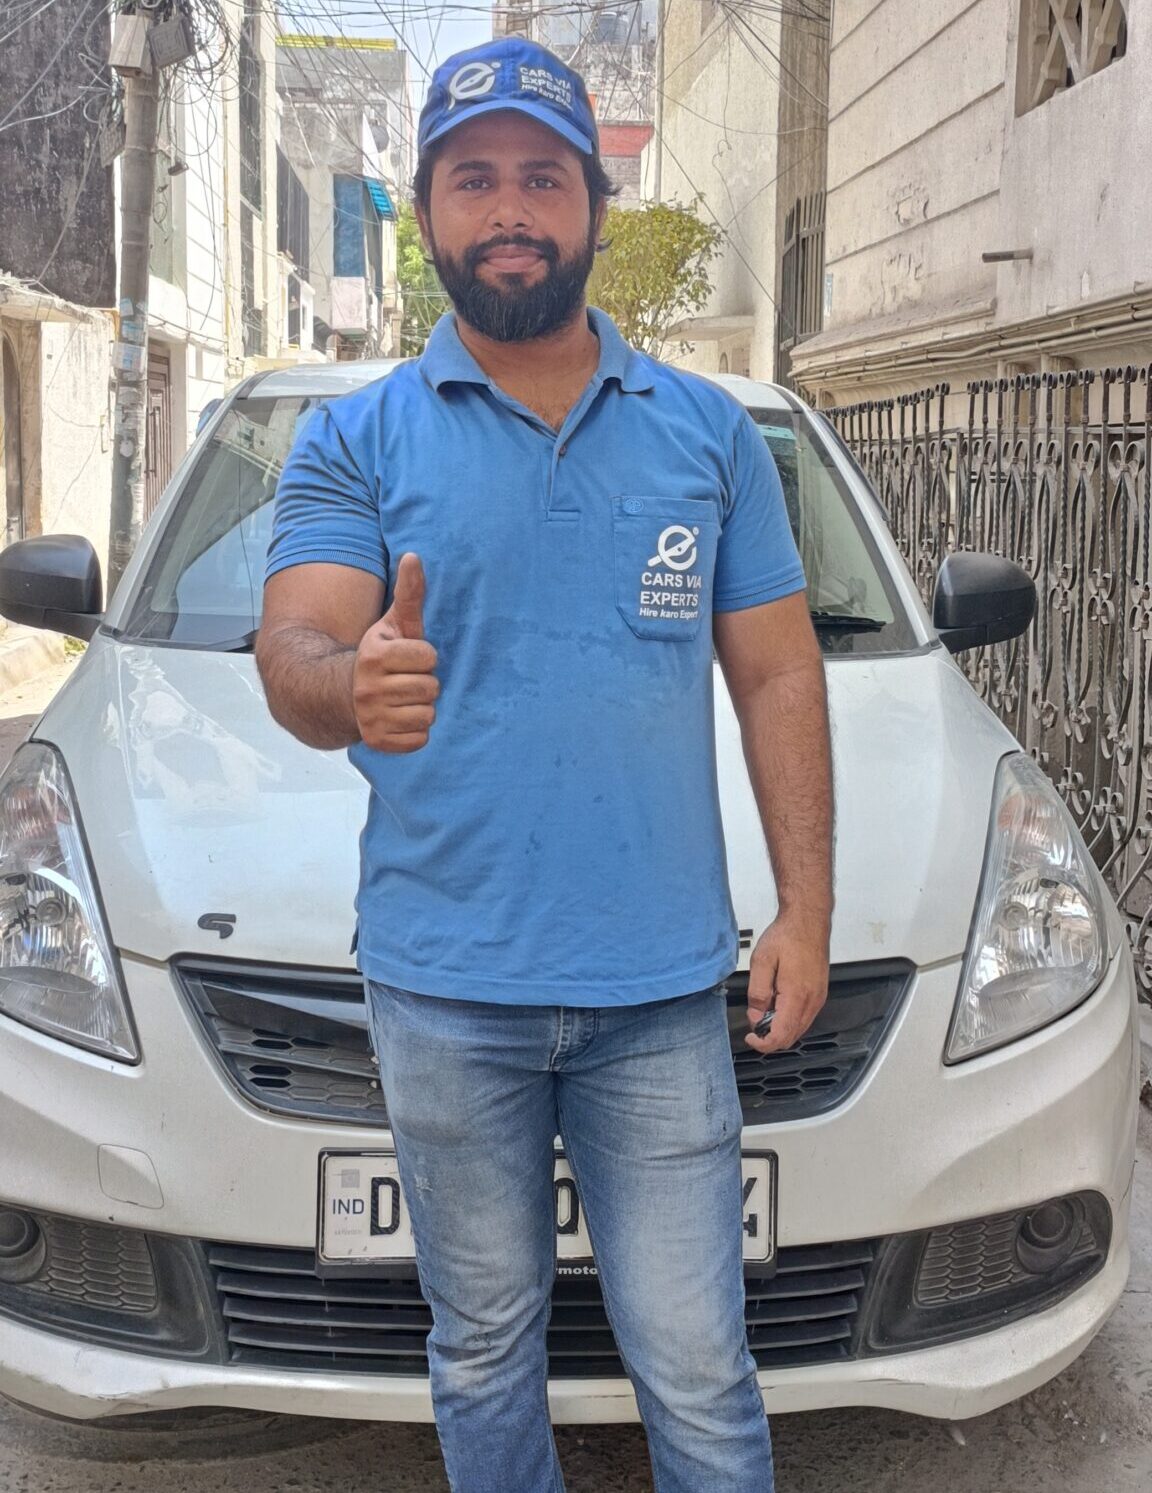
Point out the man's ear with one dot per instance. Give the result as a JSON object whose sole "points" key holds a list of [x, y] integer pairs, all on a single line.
{"points": [[599, 217]]}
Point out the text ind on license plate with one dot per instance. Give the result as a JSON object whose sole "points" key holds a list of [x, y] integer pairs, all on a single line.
{"points": [[364, 1217]]}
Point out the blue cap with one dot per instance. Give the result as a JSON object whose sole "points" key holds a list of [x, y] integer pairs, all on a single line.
{"points": [[512, 73]]}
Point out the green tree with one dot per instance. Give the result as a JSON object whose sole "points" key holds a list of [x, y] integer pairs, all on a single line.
{"points": [[424, 298], [655, 272]]}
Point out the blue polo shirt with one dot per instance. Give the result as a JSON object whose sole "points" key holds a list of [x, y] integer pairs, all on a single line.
{"points": [[558, 841]]}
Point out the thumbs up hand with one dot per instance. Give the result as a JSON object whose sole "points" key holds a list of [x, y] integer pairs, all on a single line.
{"points": [[394, 687]]}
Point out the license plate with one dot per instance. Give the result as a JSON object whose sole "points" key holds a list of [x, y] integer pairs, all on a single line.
{"points": [[364, 1219]]}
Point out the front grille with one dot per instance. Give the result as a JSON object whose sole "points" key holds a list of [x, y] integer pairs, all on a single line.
{"points": [[833, 1055], [279, 1312], [296, 1041], [292, 1041], [96, 1265]]}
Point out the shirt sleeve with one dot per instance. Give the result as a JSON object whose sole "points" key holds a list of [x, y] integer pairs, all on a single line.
{"points": [[757, 560], [326, 510]]}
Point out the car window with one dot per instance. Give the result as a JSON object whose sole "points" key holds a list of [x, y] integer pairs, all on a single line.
{"points": [[204, 584], [848, 579]]}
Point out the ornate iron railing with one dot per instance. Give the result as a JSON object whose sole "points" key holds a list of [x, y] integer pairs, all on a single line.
{"points": [[1053, 471]]}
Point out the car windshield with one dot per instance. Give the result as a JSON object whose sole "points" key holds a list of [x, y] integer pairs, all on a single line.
{"points": [[854, 604], [203, 586]]}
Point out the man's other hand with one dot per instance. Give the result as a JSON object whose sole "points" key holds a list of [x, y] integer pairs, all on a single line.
{"points": [[788, 974], [394, 686]]}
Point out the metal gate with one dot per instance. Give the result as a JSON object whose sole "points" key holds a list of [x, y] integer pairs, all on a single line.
{"points": [[1053, 471]]}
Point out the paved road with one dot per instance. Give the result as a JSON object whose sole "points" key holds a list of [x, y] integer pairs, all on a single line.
{"points": [[1089, 1431], [21, 707]]}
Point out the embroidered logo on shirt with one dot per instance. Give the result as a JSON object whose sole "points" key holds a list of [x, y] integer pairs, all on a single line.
{"points": [[667, 593], [472, 81], [676, 548]]}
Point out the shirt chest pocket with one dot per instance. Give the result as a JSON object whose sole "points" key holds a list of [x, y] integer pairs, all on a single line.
{"points": [[664, 555]]}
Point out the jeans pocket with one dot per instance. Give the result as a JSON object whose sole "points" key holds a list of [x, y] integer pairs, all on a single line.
{"points": [[664, 552]]}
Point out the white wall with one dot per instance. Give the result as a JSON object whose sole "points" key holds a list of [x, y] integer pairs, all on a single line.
{"points": [[915, 130], [934, 160], [1076, 185], [722, 145], [267, 271], [188, 317], [76, 430], [205, 364]]}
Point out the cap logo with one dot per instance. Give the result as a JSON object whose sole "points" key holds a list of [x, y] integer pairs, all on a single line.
{"points": [[540, 80], [472, 81]]}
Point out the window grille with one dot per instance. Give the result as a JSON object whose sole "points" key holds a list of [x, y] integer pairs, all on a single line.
{"points": [[800, 312], [1062, 42], [292, 215], [251, 90]]}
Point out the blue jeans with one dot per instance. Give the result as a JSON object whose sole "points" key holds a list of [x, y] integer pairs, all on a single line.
{"points": [[644, 1100]]}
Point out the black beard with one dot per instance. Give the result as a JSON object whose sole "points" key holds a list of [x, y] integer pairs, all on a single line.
{"points": [[515, 312]]}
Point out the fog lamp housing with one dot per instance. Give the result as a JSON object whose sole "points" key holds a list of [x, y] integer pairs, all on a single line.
{"points": [[22, 1247], [968, 1277], [1049, 1234]]}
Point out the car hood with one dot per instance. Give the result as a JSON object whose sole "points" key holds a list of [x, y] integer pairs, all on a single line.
{"points": [[214, 832]]}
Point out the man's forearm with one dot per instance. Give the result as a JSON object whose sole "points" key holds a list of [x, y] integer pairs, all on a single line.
{"points": [[308, 682], [784, 726]]}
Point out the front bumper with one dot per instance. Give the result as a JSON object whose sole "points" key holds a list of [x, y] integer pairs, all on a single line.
{"points": [[55, 1375], [916, 1146]]}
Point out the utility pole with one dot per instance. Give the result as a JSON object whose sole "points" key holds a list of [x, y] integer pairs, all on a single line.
{"points": [[137, 181]]}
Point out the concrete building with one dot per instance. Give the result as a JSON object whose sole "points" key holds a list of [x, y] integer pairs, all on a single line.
{"points": [[57, 269], [613, 44], [347, 153], [740, 132], [989, 209], [212, 290]]}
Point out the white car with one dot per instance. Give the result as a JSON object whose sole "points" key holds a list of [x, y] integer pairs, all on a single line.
{"points": [[197, 1202]]}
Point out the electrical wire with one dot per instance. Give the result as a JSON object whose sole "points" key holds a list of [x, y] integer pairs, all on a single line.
{"points": [[746, 29], [724, 229], [86, 12], [368, 103]]}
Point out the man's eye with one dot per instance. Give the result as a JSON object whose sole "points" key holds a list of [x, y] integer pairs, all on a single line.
{"points": [[542, 181], [473, 182]]}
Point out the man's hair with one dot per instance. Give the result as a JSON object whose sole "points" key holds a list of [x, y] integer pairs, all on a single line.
{"points": [[600, 185]]}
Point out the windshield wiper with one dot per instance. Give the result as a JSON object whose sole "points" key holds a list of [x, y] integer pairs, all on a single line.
{"points": [[845, 622], [243, 644]]}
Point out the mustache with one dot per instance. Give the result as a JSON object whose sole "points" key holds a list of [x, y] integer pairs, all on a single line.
{"points": [[545, 247]]}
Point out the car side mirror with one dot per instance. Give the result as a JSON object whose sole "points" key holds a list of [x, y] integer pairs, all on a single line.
{"points": [[52, 582], [981, 599]]}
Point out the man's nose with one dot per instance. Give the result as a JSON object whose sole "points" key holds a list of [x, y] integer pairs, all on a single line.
{"points": [[511, 212]]}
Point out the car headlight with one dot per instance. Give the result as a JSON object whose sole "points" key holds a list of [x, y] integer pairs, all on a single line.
{"points": [[1039, 940], [58, 971]]}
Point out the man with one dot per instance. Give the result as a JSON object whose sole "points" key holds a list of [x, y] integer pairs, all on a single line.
{"points": [[497, 577]]}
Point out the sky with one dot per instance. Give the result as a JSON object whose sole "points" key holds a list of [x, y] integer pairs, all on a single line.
{"points": [[429, 31]]}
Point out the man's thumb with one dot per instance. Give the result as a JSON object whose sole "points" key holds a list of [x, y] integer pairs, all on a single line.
{"points": [[407, 609]]}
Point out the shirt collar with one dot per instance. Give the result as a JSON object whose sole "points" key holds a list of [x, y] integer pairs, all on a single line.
{"points": [[617, 359], [446, 360]]}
